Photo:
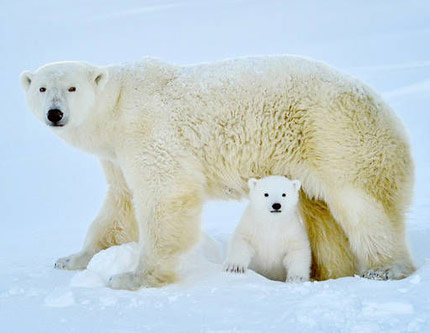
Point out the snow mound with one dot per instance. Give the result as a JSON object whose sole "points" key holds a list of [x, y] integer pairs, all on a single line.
{"points": [[203, 260]]}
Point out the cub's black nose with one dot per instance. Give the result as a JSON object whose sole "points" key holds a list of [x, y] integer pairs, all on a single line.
{"points": [[276, 206], [55, 115]]}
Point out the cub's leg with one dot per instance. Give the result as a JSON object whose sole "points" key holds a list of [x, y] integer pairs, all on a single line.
{"points": [[239, 255], [298, 259], [115, 224]]}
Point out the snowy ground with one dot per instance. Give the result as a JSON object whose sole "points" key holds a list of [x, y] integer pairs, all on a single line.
{"points": [[49, 192]]}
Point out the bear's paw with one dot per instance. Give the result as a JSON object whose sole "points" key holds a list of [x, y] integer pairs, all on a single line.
{"points": [[395, 272], [296, 279], [235, 268], [73, 262]]}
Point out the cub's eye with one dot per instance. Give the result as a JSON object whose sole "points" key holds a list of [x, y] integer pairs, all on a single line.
{"points": [[42, 89], [266, 194], [284, 195], [72, 89]]}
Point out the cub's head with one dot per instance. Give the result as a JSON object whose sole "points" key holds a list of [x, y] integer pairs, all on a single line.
{"points": [[274, 195], [62, 94]]}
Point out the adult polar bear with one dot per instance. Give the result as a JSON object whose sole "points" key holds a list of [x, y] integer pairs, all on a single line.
{"points": [[170, 137]]}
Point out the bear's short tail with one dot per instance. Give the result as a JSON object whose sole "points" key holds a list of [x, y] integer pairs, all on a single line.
{"points": [[331, 255]]}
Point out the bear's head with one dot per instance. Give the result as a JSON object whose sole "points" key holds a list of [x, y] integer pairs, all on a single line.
{"points": [[274, 195], [63, 94]]}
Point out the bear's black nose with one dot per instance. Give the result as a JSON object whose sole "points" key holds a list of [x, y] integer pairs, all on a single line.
{"points": [[55, 115], [276, 206]]}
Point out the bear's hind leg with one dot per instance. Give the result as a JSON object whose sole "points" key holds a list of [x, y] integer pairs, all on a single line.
{"points": [[378, 243], [332, 257]]}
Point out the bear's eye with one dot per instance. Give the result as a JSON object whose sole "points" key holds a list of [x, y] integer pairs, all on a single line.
{"points": [[42, 89], [266, 194], [72, 89], [284, 195]]}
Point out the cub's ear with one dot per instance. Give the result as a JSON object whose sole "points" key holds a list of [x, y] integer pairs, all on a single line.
{"points": [[99, 77], [297, 184], [26, 78], [252, 182]]}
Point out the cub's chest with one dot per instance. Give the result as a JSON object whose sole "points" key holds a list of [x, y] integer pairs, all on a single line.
{"points": [[271, 240]]}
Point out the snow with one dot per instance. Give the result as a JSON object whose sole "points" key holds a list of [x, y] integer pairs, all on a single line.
{"points": [[59, 298], [50, 191]]}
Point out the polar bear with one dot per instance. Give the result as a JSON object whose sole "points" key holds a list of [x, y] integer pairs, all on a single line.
{"points": [[170, 137], [271, 238]]}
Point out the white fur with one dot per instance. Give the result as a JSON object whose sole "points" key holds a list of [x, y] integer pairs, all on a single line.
{"points": [[170, 137], [273, 244]]}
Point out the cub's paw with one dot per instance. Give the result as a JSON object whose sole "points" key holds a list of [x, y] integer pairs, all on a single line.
{"points": [[77, 261], [128, 281], [296, 279], [395, 272], [235, 268]]}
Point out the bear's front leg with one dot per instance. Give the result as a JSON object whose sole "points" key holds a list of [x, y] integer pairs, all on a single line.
{"points": [[114, 225], [239, 255], [297, 261], [168, 215]]}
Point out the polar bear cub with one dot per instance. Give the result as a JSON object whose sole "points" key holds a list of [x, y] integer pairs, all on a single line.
{"points": [[271, 238]]}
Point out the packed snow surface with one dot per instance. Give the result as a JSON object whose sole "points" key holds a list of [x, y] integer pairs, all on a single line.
{"points": [[50, 192]]}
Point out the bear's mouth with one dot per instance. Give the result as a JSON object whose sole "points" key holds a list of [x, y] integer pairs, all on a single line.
{"points": [[276, 211]]}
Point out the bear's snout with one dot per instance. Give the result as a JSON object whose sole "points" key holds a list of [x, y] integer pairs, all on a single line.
{"points": [[276, 207], [55, 116]]}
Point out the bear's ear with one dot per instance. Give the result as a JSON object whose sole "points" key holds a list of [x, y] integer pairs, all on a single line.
{"points": [[296, 184], [252, 182], [99, 77], [26, 78]]}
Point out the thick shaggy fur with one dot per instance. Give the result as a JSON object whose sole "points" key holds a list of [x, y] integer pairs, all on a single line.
{"points": [[171, 137], [271, 238]]}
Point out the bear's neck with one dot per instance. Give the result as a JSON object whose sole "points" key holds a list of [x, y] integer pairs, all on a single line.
{"points": [[95, 136]]}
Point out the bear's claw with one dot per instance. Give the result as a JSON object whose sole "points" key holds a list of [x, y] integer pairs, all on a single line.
{"points": [[395, 272], [235, 268], [296, 279], [61, 263]]}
